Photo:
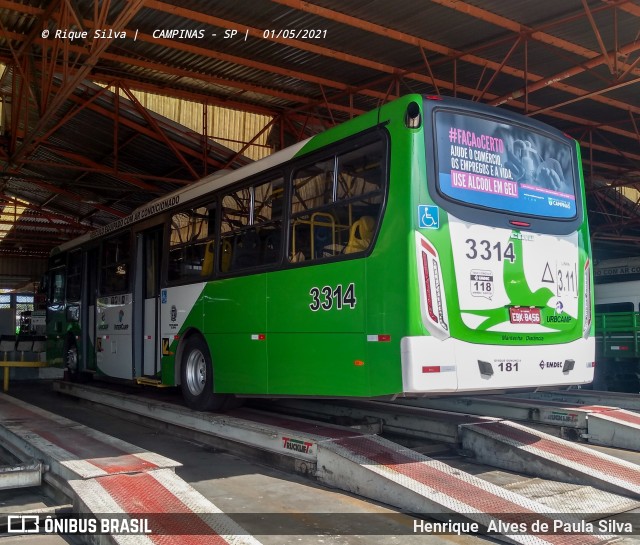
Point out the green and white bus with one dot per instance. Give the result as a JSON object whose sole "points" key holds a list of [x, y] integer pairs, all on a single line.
{"points": [[617, 324], [431, 246]]}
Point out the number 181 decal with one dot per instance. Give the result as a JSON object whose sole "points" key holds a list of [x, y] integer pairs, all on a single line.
{"points": [[326, 297]]}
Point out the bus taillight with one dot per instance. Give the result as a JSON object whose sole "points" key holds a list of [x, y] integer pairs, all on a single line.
{"points": [[433, 305], [427, 289], [586, 322]]}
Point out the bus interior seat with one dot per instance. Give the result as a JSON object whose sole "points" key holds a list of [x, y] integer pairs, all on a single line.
{"points": [[24, 344], [360, 235], [300, 247], [247, 251], [207, 262], [7, 343], [226, 253], [322, 236], [39, 344], [271, 247]]}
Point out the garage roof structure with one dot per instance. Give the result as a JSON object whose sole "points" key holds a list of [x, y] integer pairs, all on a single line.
{"points": [[79, 150]]}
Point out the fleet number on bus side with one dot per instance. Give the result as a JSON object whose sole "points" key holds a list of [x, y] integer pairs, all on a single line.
{"points": [[328, 297]]}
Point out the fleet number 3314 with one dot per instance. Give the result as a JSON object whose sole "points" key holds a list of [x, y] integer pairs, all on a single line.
{"points": [[328, 297]]}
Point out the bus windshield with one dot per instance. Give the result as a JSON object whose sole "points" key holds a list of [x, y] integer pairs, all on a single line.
{"points": [[489, 163]]}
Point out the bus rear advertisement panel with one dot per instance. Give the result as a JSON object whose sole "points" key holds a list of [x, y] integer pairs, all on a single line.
{"points": [[310, 274], [504, 166]]}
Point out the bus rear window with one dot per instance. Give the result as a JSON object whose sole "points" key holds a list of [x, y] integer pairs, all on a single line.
{"points": [[489, 163]]}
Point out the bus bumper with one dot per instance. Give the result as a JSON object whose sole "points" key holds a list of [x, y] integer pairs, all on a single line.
{"points": [[452, 365]]}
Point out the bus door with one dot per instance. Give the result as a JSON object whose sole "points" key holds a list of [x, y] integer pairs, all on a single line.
{"points": [[114, 307], [146, 301], [56, 311], [88, 309]]}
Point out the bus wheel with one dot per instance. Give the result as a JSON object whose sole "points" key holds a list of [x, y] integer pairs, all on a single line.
{"points": [[71, 360], [196, 374]]}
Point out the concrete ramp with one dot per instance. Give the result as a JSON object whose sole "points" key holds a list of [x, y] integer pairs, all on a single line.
{"points": [[371, 466], [376, 468], [521, 449], [167, 509], [620, 428], [598, 424], [72, 451], [136, 492]]}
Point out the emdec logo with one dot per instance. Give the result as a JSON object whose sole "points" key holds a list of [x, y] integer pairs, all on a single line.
{"points": [[550, 364]]}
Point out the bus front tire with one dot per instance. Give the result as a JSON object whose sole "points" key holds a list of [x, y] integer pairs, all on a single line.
{"points": [[196, 378]]}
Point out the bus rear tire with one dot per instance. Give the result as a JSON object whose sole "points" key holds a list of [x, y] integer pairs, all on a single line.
{"points": [[196, 377], [71, 360]]}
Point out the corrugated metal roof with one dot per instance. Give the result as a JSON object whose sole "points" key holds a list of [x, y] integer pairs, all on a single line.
{"points": [[367, 51], [69, 173]]}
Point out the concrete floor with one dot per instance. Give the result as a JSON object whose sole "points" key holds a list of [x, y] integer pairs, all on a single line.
{"points": [[276, 507]]}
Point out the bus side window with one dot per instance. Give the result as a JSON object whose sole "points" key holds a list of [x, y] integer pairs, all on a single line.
{"points": [[359, 193], [191, 244], [267, 219], [235, 221], [336, 203], [114, 276], [57, 285], [74, 276], [251, 226]]}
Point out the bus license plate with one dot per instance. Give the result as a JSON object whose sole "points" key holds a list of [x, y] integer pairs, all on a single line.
{"points": [[524, 315]]}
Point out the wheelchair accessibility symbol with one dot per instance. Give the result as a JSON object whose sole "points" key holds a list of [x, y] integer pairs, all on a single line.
{"points": [[428, 216]]}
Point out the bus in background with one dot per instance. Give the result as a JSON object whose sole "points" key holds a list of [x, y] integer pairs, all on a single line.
{"points": [[432, 246], [617, 325]]}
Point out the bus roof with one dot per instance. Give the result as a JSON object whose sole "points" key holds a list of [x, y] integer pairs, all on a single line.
{"points": [[183, 195]]}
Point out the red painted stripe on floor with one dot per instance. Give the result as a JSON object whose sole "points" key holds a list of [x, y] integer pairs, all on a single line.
{"points": [[62, 436], [567, 452], [76, 442], [141, 494], [107, 457], [598, 409], [456, 488], [127, 463], [11, 411], [624, 416], [294, 425]]}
